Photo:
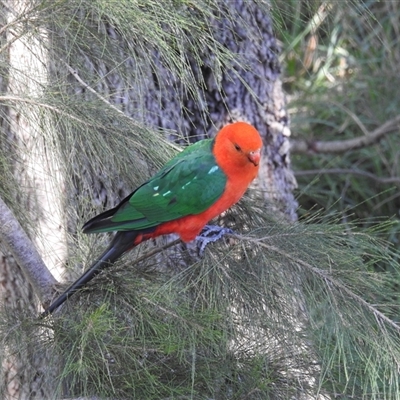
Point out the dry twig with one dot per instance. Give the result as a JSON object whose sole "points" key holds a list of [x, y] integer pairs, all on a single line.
{"points": [[341, 146]]}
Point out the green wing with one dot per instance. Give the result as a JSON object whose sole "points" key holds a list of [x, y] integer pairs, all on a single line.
{"points": [[188, 184]]}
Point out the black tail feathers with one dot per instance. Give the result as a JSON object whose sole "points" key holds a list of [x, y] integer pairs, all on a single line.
{"points": [[122, 242]]}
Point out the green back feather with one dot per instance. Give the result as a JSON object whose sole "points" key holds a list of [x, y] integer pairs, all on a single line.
{"points": [[188, 184]]}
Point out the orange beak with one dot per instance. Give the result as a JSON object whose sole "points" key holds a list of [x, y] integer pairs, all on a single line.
{"points": [[254, 157]]}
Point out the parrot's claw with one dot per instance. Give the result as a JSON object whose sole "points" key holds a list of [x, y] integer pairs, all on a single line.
{"points": [[211, 233]]}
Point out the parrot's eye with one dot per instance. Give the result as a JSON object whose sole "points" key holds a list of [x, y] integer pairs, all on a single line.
{"points": [[237, 147]]}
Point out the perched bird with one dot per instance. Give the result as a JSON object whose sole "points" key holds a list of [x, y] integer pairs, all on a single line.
{"points": [[195, 186]]}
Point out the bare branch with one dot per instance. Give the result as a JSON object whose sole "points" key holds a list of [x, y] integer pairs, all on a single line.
{"points": [[340, 146], [10, 97], [25, 253], [104, 100], [98, 95]]}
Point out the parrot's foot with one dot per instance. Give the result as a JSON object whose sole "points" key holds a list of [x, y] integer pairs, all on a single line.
{"points": [[211, 233]]}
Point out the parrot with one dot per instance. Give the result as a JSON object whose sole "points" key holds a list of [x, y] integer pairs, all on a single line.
{"points": [[195, 186]]}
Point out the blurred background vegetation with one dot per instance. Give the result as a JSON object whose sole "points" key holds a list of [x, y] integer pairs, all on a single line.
{"points": [[340, 61]]}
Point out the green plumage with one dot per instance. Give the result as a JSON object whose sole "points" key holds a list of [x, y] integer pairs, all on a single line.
{"points": [[188, 184]]}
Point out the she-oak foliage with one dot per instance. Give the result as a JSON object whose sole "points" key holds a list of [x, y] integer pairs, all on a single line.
{"points": [[283, 311], [197, 185]]}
